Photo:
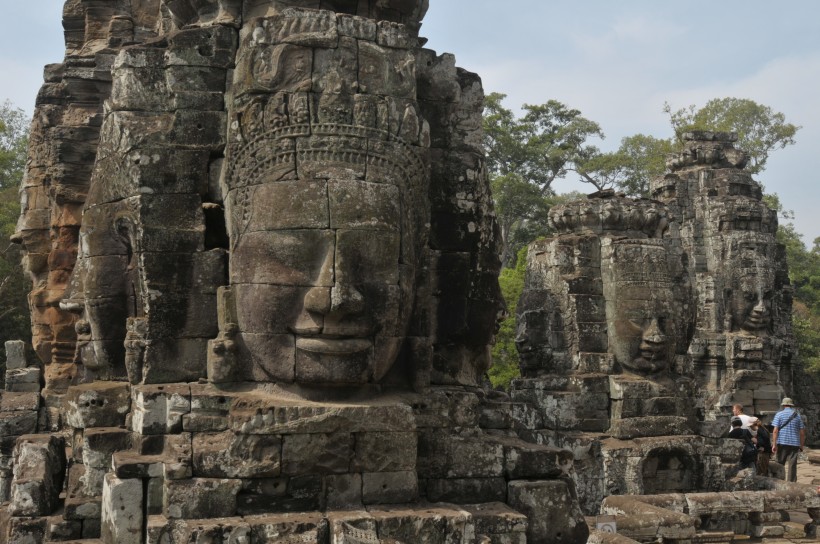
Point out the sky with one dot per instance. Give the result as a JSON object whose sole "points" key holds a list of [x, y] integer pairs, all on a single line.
{"points": [[616, 62]]}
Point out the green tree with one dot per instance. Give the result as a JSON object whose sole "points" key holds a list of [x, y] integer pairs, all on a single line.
{"points": [[521, 208], [804, 274], [13, 144], [14, 313], [629, 169], [759, 128], [504, 352], [526, 155], [645, 159]]}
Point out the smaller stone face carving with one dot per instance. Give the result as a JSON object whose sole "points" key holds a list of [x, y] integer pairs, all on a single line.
{"points": [[538, 331], [641, 320], [750, 302], [639, 337], [135, 344]]}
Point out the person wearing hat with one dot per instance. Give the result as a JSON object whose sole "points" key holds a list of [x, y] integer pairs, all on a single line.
{"points": [[788, 438]]}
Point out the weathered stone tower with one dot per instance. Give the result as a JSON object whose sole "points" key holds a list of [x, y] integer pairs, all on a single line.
{"points": [[643, 321], [265, 282], [742, 344]]}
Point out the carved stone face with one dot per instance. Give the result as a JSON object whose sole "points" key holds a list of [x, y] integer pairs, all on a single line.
{"points": [[642, 325], [325, 287], [750, 303], [641, 331], [325, 183]]}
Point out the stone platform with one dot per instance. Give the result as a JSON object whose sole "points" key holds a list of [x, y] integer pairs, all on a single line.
{"points": [[193, 462]]}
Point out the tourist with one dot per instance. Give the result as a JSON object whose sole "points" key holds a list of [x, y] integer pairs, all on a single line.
{"points": [[764, 446], [737, 411], [789, 437], [748, 457]]}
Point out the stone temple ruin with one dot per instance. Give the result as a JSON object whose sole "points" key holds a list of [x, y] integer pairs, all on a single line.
{"points": [[642, 323], [264, 263]]}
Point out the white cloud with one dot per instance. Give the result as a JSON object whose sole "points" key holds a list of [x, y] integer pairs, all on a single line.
{"points": [[648, 31], [627, 38]]}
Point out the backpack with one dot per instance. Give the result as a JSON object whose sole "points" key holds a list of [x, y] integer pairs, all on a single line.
{"points": [[749, 453]]}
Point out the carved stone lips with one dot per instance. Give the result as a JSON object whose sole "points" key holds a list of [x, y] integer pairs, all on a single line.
{"points": [[333, 346], [650, 355], [755, 322], [652, 352]]}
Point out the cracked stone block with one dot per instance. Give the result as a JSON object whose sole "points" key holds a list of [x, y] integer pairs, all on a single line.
{"points": [[23, 380], [552, 512], [97, 404], [158, 409], [199, 498], [122, 513], [38, 475]]}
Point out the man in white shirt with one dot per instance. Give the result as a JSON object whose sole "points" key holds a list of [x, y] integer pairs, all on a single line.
{"points": [[737, 410]]}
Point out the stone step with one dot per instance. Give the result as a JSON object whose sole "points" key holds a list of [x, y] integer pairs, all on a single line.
{"points": [[81, 541], [602, 537], [713, 537], [406, 523]]}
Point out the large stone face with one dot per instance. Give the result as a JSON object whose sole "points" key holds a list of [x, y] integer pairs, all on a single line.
{"points": [[265, 265], [303, 159], [349, 145]]}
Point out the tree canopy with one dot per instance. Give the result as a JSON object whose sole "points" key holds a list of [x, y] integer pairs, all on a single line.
{"points": [[14, 315], [525, 155], [760, 129], [13, 144], [541, 145], [629, 169]]}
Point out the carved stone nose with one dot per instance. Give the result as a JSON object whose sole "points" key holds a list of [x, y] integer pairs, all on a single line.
{"points": [[345, 299], [317, 300], [338, 301], [653, 334]]}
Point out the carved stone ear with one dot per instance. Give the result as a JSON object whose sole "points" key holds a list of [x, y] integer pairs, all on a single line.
{"points": [[727, 311]]}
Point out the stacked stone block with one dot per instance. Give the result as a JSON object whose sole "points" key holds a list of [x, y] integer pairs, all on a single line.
{"points": [[153, 187], [20, 407], [464, 282], [160, 461], [643, 321]]}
